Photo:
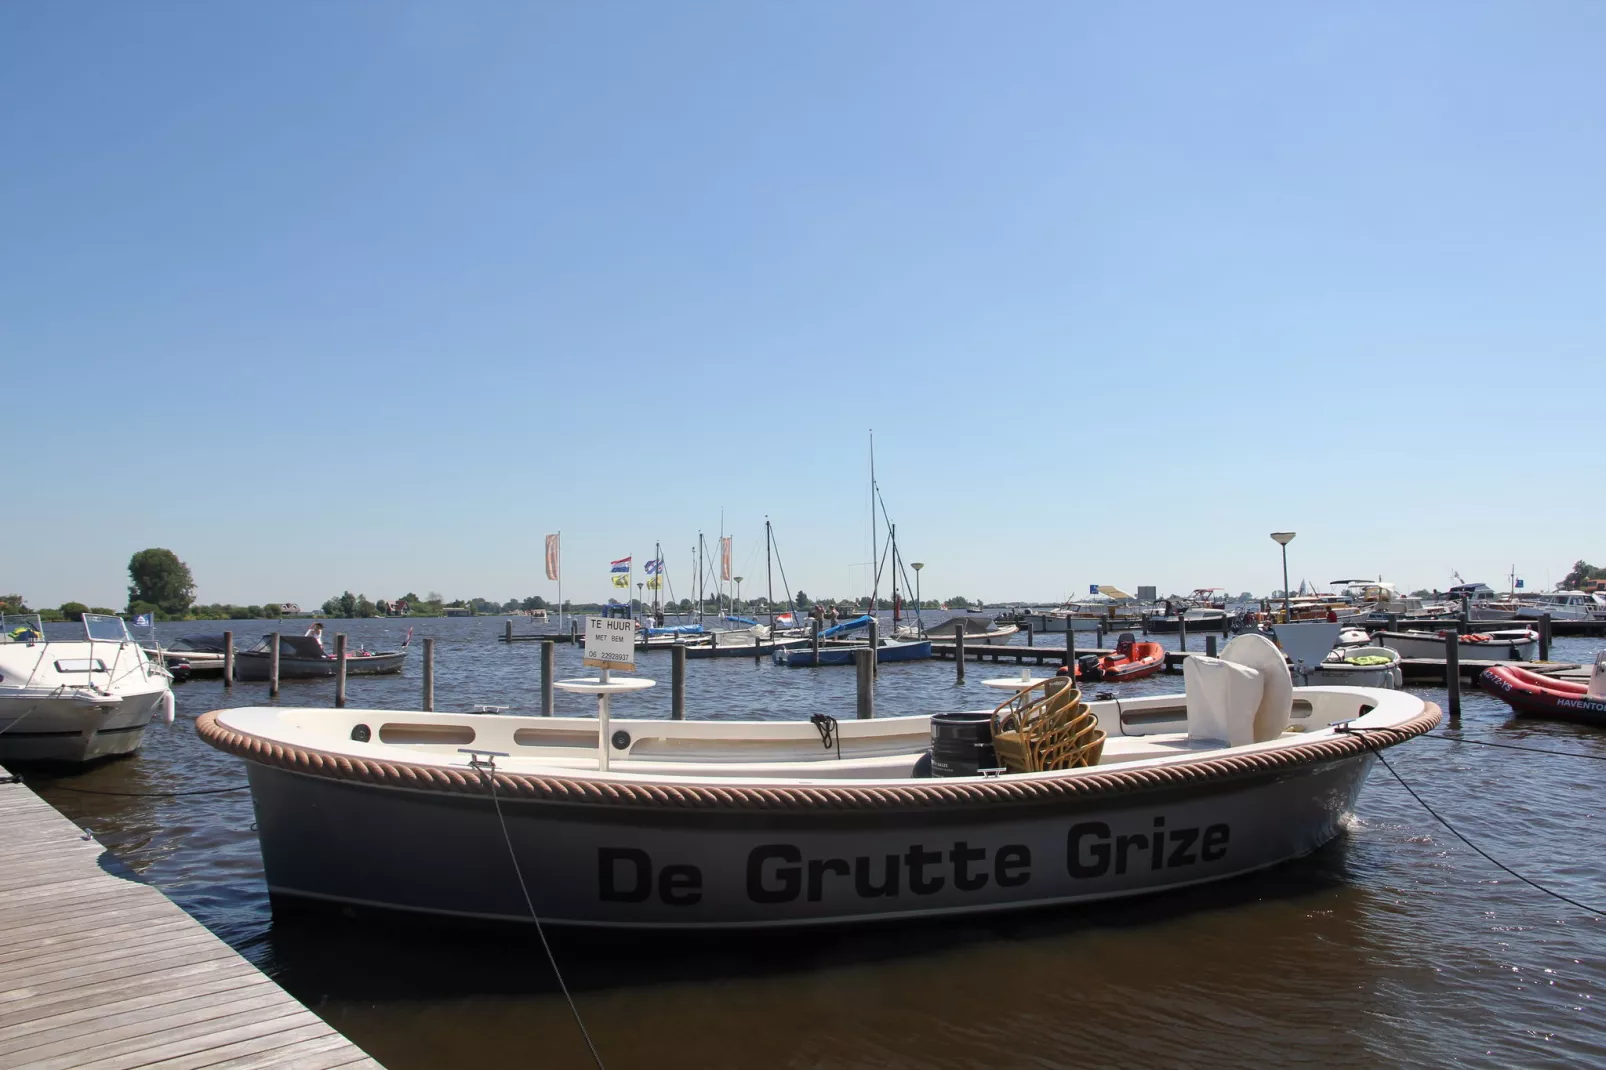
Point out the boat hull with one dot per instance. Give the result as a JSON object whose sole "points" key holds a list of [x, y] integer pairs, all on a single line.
{"points": [[1428, 645], [1530, 695], [61, 729], [802, 655], [662, 867], [254, 666], [1215, 622]]}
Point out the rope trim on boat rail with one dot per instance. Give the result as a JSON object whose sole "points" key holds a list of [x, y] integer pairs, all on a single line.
{"points": [[1076, 785]]}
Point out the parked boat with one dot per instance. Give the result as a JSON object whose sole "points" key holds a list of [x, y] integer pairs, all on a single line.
{"points": [[1131, 660], [1062, 620], [977, 630], [302, 657], [1509, 644], [801, 655], [201, 655], [76, 700], [755, 824], [1563, 605], [1320, 655], [1531, 695]]}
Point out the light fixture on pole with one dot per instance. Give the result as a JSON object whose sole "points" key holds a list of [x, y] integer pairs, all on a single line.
{"points": [[917, 566], [1283, 538], [738, 580]]}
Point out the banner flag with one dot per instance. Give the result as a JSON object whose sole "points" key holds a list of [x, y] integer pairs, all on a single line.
{"points": [[725, 558], [621, 579], [142, 621], [653, 568], [621, 565], [655, 583], [553, 564]]}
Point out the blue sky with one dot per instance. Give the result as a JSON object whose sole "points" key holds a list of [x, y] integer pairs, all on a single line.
{"points": [[373, 295]]}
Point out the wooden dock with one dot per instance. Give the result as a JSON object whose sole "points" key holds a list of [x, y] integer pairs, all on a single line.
{"points": [[102, 973]]}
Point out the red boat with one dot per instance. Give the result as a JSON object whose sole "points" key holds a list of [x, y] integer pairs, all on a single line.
{"points": [[1533, 695], [1131, 660]]}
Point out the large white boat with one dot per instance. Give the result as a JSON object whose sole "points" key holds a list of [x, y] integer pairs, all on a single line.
{"points": [[76, 700], [1506, 644], [687, 824], [1563, 605]]}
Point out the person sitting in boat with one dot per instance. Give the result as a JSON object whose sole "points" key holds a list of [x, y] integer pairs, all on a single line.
{"points": [[316, 632], [1332, 616]]}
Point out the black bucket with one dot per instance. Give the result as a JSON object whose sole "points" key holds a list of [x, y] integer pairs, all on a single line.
{"points": [[962, 744]]}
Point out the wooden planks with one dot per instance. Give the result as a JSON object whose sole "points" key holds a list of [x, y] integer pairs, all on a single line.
{"points": [[104, 973]]}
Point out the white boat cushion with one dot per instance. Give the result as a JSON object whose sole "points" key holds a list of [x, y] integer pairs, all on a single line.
{"points": [[1222, 700], [1597, 679], [1277, 697]]}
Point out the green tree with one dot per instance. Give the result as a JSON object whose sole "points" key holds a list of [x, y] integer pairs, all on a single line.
{"points": [[535, 601], [958, 601], [136, 608], [12, 603], [364, 608], [803, 598], [270, 611], [343, 606], [1582, 572], [159, 576], [72, 610]]}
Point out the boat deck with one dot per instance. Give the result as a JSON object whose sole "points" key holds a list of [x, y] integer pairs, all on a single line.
{"points": [[102, 973]]}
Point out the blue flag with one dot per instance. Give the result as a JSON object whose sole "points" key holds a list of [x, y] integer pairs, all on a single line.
{"points": [[143, 620]]}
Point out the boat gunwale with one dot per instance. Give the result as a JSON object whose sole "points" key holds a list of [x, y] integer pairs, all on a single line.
{"points": [[959, 793]]}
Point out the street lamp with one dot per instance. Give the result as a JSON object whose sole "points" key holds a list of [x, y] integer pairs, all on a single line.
{"points": [[1283, 538], [917, 566], [738, 593]]}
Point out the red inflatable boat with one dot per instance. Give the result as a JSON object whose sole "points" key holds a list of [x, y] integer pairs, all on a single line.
{"points": [[1130, 661], [1532, 695]]}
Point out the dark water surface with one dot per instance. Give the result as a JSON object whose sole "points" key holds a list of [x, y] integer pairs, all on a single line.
{"points": [[1396, 945]]}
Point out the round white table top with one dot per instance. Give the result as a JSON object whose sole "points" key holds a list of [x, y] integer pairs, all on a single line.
{"points": [[593, 685], [1014, 683]]}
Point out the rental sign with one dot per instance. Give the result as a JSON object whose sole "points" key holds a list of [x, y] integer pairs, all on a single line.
{"points": [[610, 643]]}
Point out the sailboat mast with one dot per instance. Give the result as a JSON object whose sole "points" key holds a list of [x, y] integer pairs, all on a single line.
{"points": [[875, 543], [769, 580], [892, 537], [657, 563]]}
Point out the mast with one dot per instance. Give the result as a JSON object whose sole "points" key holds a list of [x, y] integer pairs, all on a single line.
{"points": [[657, 563], [769, 580], [875, 544], [698, 550], [892, 537]]}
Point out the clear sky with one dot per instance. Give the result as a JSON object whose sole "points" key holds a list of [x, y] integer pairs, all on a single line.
{"points": [[371, 296]]}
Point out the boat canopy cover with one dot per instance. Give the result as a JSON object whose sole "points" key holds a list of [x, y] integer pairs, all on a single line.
{"points": [[847, 626], [297, 646], [1114, 592], [201, 644], [972, 626], [676, 629], [749, 621]]}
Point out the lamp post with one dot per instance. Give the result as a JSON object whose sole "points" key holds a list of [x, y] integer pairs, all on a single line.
{"points": [[738, 580], [1283, 538], [641, 597], [917, 566]]}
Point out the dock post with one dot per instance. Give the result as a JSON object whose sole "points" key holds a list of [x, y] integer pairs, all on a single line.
{"points": [[875, 638], [549, 660], [1028, 633], [429, 675], [677, 681], [1394, 622], [1182, 632], [1070, 648], [959, 653], [1466, 614], [814, 639], [273, 665], [1544, 637], [1099, 639], [507, 633], [340, 671], [864, 662], [1210, 646], [574, 630], [228, 659], [1452, 669]]}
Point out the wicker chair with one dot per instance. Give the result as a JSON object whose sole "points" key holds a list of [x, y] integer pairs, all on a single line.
{"points": [[1046, 726]]}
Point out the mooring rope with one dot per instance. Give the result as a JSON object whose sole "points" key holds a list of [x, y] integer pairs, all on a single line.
{"points": [[487, 769], [1518, 746], [143, 794], [1361, 734]]}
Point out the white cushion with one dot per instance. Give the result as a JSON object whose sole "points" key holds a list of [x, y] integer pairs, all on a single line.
{"points": [[1222, 700]]}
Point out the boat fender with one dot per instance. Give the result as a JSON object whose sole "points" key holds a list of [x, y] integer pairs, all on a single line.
{"points": [[167, 707], [621, 740], [360, 733], [922, 769]]}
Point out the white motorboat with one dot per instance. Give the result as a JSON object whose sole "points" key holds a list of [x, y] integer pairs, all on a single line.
{"points": [[1319, 656], [1062, 620], [1507, 644], [687, 824], [1563, 605], [76, 700], [977, 630]]}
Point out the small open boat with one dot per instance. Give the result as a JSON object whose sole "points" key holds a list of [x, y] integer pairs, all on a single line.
{"points": [[1532, 695], [977, 630], [1321, 653], [702, 824], [1510, 644], [301, 657], [839, 652], [1131, 660], [202, 654]]}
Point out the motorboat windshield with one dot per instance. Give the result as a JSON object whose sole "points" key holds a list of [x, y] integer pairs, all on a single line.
{"points": [[21, 628], [106, 628]]}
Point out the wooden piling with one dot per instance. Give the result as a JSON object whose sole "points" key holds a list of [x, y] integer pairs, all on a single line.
{"points": [[1029, 633], [1544, 637], [273, 664], [875, 639], [1182, 631], [549, 660], [1452, 669], [814, 639], [429, 675], [959, 653], [677, 681], [228, 659], [1210, 646], [1394, 622], [864, 662], [507, 632], [1070, 648], [340, 671]]}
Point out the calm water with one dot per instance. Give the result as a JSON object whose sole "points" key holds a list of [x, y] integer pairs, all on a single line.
{"points": [[1396, 945]]}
